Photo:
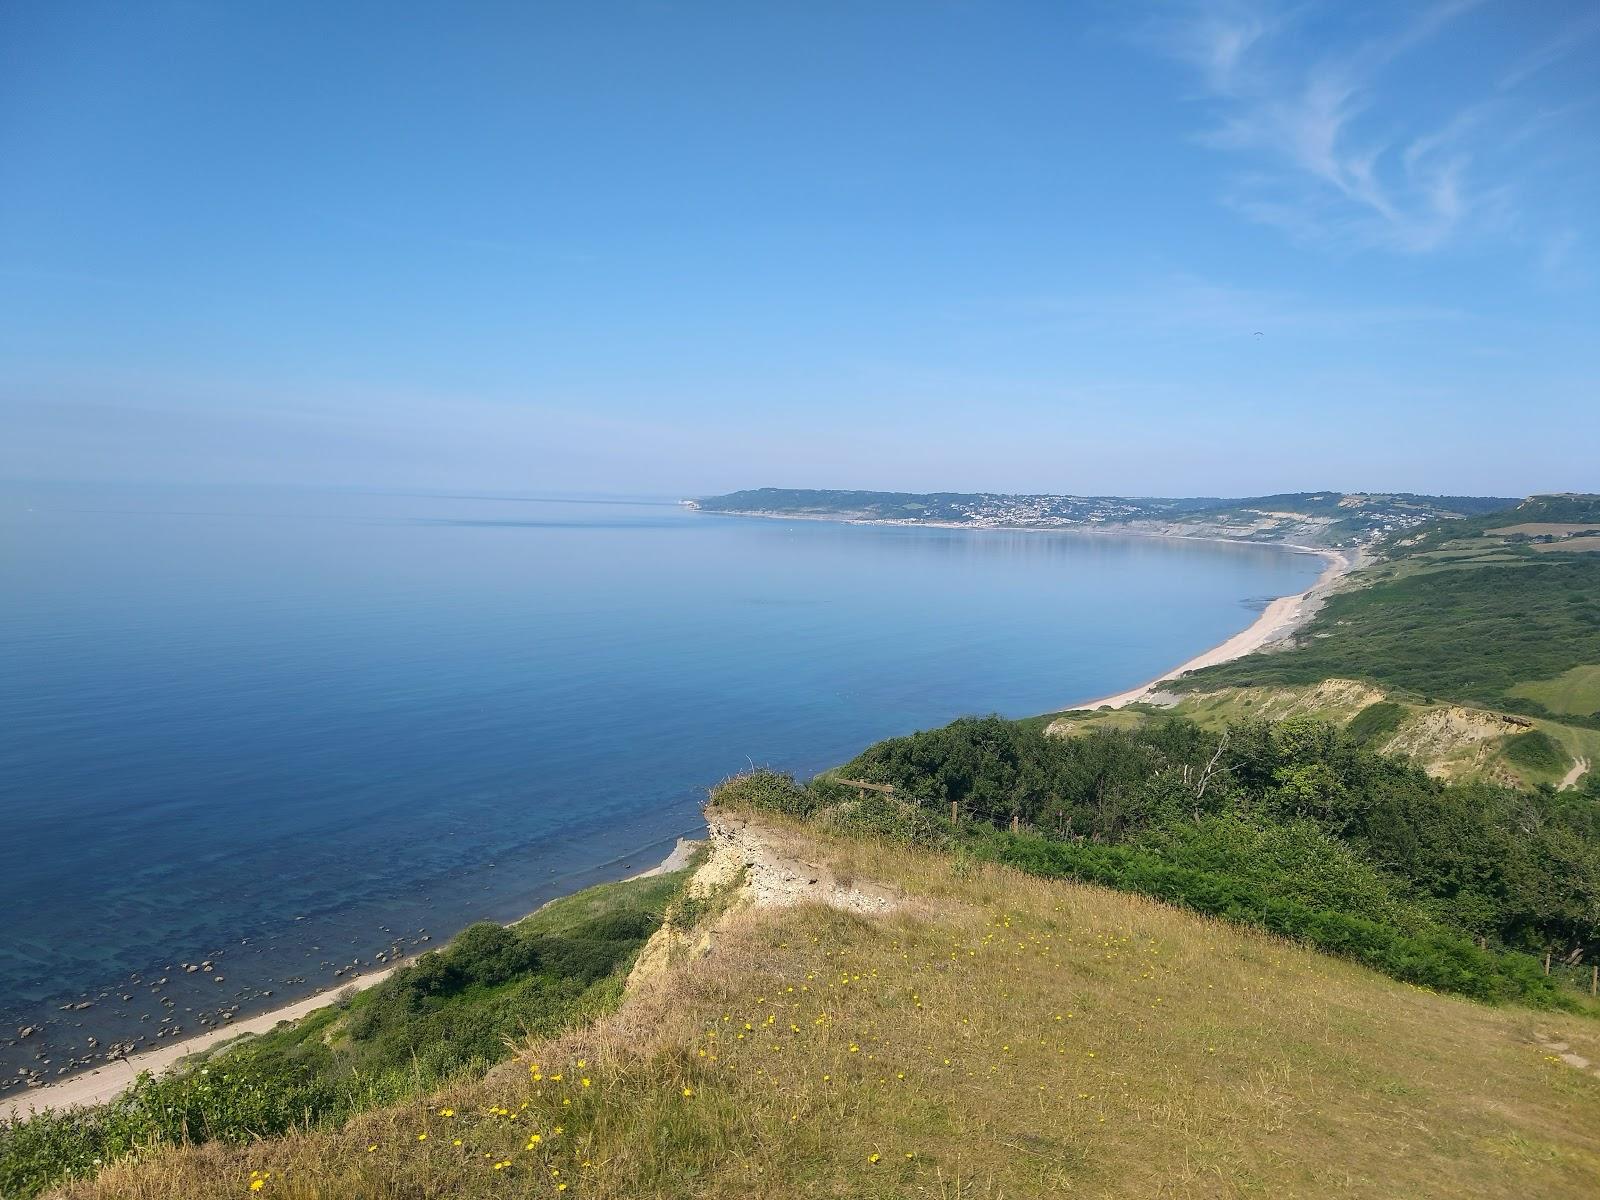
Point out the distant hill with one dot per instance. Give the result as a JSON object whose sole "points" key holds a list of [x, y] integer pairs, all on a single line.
{"points": [[1326, 517]]}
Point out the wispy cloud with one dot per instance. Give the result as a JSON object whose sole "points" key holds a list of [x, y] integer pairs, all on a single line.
{"points": [[1333, 158]]}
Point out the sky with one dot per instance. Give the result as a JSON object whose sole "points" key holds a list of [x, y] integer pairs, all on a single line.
{"points": [[677, 248]]}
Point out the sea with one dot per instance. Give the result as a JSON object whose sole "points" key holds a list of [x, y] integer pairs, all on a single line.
{"points": [[274, 734]]}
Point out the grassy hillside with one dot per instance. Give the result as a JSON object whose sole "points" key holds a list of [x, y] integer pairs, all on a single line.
{"points": [[451, 1014], [1462, 629], [993, 1035], [1461, 743], [1482, 634]]}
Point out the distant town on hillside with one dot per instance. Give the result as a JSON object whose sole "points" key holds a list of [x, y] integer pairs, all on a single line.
{"points": [[1324, 518]]}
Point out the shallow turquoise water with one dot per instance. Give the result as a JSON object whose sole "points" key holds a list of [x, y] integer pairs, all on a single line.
{"points": [[284, 730]]}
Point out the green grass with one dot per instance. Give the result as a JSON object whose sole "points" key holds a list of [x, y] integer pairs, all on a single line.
{"points": [[1575, 692]]}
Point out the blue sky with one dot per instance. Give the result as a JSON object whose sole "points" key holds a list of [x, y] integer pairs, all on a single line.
{"points": [[684, 247]]}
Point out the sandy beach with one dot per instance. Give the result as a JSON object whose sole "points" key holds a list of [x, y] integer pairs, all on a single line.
{"points": [[1276, 622], [107, 1082]]}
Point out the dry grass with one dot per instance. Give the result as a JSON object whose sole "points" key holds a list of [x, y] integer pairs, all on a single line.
{"points": [[999, 1036]]}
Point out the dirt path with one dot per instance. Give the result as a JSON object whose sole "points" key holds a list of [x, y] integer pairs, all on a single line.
{"points": [[1571, 778]]}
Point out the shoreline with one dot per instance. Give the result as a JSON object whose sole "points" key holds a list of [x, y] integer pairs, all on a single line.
{"points": [[1278, 620], [1085, 529], [1275, 623], [102, 1084]]}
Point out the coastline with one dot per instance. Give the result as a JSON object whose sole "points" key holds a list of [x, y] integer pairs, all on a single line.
{"points": [[102, 1084], [1083, 529], [1275, 624]]}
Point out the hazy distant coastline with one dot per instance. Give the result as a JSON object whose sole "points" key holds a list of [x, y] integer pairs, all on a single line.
{"points": [[1311, 520]]}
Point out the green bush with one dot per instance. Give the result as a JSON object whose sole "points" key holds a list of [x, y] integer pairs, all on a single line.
{"points": [[1375, 722], [1537, 751], [767, 789], [1295, 861]]}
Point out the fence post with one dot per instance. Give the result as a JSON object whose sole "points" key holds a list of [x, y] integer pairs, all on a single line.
{"points": [[1547, 962], [1013, 822], [1594, 980], [953, 818]]}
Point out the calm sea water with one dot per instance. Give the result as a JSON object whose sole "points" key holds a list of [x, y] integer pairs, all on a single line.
{"points": [[286, 731]]}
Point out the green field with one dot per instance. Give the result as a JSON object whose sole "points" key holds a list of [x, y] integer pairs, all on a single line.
{"points": [[1574, 692]]}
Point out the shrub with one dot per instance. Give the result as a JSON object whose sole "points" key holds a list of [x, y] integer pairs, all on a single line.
{"points": [[1375, 722], [1536, 751], [766, 789]]}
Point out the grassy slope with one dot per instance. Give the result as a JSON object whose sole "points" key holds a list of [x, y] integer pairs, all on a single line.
{"points": [[998, 1036], [1576, 691], [1464, 631], [1454, 614]]}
